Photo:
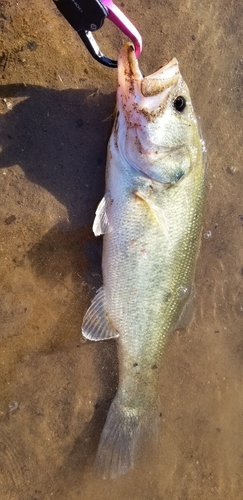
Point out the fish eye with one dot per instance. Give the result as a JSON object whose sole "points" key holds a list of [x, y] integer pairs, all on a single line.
{"points": [[180, 103]]}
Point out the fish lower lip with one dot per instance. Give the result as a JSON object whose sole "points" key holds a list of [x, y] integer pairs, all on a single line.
{"points": [[128, 58]]}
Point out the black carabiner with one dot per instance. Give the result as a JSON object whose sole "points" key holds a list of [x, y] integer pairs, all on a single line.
{"points": [[94, 49]]}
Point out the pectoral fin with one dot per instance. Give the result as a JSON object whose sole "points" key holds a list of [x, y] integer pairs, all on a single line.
{"points": [[157, 212], [101, 222], [96, 324]]}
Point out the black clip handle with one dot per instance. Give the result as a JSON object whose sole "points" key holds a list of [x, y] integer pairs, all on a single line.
{"points": [[85, 16]]}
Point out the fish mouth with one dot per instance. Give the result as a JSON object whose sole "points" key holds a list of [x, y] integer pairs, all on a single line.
{"points": [[131, 80], [161, 80]]}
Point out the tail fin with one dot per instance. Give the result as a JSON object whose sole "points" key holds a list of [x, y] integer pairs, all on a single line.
{"points": [[122, 432]]}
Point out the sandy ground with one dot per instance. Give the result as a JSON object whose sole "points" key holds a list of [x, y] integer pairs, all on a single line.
{"points": [[56, 107]]}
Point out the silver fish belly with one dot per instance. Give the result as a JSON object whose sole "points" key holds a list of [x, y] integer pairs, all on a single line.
{"points": [[151, 217]]}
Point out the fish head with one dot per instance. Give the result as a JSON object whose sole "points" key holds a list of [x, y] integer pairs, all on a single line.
{"points": [[157, 130]]}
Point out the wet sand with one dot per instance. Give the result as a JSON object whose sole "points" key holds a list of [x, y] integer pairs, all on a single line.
{"points": [[56, 113]]}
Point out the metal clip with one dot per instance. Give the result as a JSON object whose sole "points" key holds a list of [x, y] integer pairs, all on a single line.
{"points": [[93, 48]]}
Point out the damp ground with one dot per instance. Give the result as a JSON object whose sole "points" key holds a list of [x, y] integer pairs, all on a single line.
{"points": [[57, 109]]}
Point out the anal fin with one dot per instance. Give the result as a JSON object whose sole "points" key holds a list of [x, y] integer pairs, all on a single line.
{"points": [[96, 324]]}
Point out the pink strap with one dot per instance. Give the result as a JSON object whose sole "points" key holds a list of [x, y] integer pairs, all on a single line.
{"points": [[122, 22]]}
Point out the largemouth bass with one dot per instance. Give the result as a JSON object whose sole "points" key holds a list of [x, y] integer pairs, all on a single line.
{"points": [[151, 218]]}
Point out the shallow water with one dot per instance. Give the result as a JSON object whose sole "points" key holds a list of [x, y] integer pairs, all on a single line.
{"points": [[56, 107]]}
